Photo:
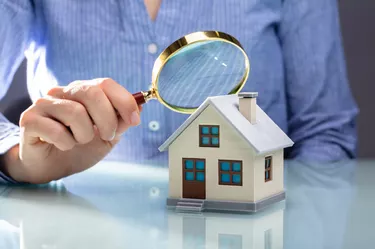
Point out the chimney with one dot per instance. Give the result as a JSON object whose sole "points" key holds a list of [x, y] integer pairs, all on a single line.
{"points": [[247, 105]]}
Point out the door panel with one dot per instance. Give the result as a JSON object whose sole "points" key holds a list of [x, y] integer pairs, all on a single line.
{"points": [[194, 178]]}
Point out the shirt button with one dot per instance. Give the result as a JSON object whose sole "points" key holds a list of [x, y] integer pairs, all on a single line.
{"points": [[154, 126], [152, 48]]}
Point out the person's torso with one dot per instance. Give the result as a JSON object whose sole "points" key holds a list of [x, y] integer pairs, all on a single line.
{"points": [[79, 40]]}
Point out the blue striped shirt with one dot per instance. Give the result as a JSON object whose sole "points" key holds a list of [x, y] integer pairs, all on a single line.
{"points": [[294, 47]]}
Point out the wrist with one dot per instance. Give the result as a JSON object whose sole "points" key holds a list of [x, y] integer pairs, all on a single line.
{"points": [[11, 165]]}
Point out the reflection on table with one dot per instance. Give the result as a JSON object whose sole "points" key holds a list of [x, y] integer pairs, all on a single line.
{"points": [[112, 207], [51, 217], [263, 230]]}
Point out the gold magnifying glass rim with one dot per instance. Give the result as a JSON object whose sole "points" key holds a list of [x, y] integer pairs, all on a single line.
{"points": [[180, 44]]}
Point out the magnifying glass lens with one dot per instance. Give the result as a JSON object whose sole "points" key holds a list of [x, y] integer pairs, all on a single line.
{"points": [[201, 70]]}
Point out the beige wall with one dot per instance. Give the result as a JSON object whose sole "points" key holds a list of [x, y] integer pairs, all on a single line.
{"points": [[232, 146], [252, 228], [264, 189]]}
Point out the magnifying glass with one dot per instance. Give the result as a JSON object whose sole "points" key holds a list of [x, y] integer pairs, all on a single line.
{"points": [[195, 67]]}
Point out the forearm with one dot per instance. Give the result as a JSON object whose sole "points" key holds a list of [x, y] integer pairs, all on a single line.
{"points": [[16, 18], [316, 150], [327, 134], [11, 167], [9, 140]]}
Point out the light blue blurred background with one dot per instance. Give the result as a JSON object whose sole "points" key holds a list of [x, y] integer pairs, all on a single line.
{"points": [[357, 21]]}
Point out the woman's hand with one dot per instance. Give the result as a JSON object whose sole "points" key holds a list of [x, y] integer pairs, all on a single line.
{"points": [[70, 130]]}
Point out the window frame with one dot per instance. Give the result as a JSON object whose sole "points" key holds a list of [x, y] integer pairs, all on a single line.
{"points": [[269, 169], [230, 172], [210, 136]]}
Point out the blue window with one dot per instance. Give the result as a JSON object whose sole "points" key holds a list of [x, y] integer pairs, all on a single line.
{"points": [[200, 176], [205, 130], [209, 136], [199, 165], [194, 169], [214, 141], [236, 178], [189, 164], [230, 172], [189, 176], [225, 178], [215, 130], [225, 166], [205, 140], [236, 166]]}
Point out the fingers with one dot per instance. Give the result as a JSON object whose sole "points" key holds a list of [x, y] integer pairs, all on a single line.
{"points": [[122, 100], [95, 102], [71, 114], [35, 126], [101, 98]]}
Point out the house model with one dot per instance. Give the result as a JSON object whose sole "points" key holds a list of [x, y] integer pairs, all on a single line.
{"points": [[227, 156]]}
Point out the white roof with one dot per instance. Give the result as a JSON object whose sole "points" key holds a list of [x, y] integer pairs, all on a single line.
{"points": [[264, 136]]}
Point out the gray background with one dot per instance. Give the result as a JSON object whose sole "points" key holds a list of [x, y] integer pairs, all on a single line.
{"points": [[357, 18]]}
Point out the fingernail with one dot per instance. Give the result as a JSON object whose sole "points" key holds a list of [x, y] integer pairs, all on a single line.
{"points": [[113, 136], [135, 119]]}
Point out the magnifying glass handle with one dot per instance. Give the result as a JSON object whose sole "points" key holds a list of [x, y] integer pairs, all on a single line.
{"points": [[139, 98]]}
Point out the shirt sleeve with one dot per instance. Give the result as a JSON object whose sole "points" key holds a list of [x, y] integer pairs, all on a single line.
{"points": [[16, 18], [321, 109]]}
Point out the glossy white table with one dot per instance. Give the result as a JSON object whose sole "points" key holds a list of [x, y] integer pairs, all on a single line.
{"points": [[117, 205]]}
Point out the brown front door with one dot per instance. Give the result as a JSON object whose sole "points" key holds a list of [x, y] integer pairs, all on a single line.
{"points": [[194, 178]]}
